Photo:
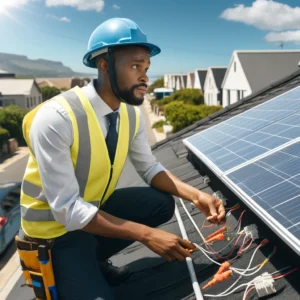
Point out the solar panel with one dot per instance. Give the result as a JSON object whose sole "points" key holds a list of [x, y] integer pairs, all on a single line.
{"points": [[250, 134], [257, 154], [271, 185]]}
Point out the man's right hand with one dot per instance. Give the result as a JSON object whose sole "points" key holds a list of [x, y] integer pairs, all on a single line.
{"points": [[168, 245]]}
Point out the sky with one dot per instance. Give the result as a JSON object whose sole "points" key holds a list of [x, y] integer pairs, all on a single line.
{"points": [[191, 34]]}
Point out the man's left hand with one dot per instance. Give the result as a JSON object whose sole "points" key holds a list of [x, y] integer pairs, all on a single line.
{"points": [[212, 208]]}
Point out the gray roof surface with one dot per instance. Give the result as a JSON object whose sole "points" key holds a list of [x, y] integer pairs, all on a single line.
{"points": [[202, 76], [219, 74], [264, 68]]}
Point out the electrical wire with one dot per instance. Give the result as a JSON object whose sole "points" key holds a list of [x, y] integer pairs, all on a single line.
{"points": [[247, 291]]}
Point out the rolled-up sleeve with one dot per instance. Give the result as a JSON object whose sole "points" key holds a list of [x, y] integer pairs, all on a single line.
{"points": [[51, 136], [141, 156]]}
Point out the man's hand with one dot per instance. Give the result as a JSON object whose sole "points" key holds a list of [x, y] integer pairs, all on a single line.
{"points": [[168, 245], [212, 208]]}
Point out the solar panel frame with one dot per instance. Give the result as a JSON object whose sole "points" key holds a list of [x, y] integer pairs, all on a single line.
{"points": [[283, 232]]}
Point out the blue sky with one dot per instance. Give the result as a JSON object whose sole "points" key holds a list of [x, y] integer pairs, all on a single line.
{"points": [[192, 33]]}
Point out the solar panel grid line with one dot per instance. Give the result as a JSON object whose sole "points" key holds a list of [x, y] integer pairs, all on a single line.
{"points": [[279, 148], [278, 195], [233, 138], [280, 230], [255, 107]]}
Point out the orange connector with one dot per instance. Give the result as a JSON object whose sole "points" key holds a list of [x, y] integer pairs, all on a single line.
{"points": [[218, 278], [224, 267], [221, 230], [218, 237]]}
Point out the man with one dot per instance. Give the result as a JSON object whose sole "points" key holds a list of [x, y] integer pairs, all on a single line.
{"points": [[79, 142]]}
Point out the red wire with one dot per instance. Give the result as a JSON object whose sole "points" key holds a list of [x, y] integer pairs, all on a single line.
{"points": [[249, 292], [285, 274]]}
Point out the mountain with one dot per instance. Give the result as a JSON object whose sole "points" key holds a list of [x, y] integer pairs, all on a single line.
{"points": [[22, 66]]}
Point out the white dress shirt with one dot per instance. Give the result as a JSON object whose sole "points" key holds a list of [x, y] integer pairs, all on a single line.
{"points": [[51, 137]]}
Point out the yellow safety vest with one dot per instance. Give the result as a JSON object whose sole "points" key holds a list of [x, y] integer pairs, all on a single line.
{"points": [[96, 176]]}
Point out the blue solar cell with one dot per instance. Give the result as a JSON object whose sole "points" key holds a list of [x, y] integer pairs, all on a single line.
{"points": [[273, 182], [251, 133]]}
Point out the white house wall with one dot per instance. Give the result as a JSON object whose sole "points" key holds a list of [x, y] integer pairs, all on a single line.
{"points": [[197, 84], [235, 80], [210, 90], [18, 100]]}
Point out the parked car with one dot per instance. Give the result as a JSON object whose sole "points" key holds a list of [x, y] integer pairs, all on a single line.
{"points": [[10, 213]]}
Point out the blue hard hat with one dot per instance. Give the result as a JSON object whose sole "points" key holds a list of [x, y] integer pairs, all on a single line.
{"points": [[115, 32]]}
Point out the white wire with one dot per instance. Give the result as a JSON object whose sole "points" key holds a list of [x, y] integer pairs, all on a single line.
{"points": [[246, 290], [241, 274], [224, 295], [202, 250], [192, 220]]}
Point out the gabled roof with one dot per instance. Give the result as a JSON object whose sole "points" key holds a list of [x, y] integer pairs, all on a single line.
{"points": [[202, 75], [265, 67], [218, 73], [17, 86]]}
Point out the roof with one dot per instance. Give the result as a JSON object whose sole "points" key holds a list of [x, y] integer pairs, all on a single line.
{"points": [[59, 83], [202, 76], [218, 73], [16, 86], [264, 67], [154, 279]]}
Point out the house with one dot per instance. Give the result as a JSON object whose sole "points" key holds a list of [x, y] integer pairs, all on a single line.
{"points": [[153, 277], [181, 82], [250, 71], [212, 85], [24, 93], [160, 93], [62, 83], [200, 75], [190, 80], [4, 74]]}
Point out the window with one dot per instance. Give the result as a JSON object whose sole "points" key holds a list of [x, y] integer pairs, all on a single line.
{"points": [[27, 102], [31, 101], [238, 95], [234, 65], [228, 96]]}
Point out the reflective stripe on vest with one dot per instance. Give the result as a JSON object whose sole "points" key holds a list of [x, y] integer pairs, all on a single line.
{"points": [[82, 164]]}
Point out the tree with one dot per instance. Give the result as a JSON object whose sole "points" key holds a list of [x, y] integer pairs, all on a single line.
{"points": [[11, 119], [49, 92], [156, 84]]}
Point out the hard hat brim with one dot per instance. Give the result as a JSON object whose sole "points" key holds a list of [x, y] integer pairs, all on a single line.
{"points": [[91, 62]]}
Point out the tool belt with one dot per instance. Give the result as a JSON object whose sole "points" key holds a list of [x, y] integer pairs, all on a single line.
{"points": [[36, 263]]}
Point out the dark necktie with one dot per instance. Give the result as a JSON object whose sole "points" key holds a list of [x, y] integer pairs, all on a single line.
{"points": [[112, 135]]}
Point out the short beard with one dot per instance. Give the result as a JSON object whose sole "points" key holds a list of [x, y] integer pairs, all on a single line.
{"points": [[128, 95]]}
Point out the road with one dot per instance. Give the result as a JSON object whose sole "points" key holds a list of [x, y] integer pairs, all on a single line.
{"points": [[15, 172]]}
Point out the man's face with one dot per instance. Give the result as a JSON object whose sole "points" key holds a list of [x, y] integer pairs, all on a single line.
{"points": [[132, 64]]}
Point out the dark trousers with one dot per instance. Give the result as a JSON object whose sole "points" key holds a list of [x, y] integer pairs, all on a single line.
{"points": [[75, 255]]}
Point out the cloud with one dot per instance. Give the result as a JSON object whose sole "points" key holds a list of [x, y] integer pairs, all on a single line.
{"points": [[63, 19], [265, 14], [286, 36], [115, 6], [13, 3], [84, 5]]}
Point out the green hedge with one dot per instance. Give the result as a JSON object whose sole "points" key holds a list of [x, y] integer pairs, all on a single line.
{"points": [[159, 124], [4, 136], [181, 115], [187, 96], [11, 118]]}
